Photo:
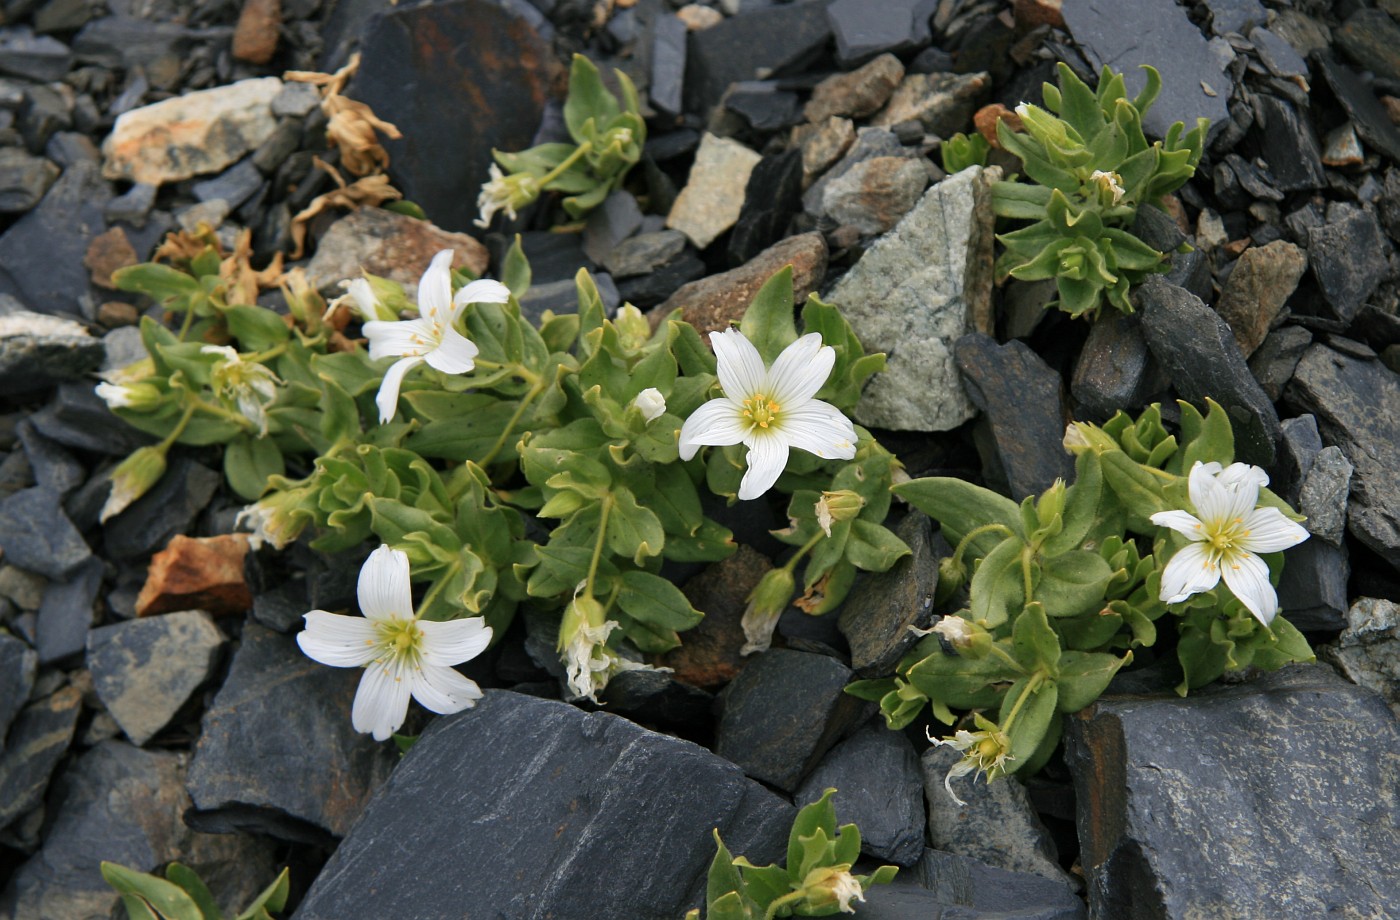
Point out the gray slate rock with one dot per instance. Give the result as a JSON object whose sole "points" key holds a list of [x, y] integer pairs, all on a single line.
{"points": [[54, 468], [869, 144], [668, 51], [1116, 369], [18, 665], [1323, 496], [913, 294], [772, 197], [41, 254], [1287, 143], [879, 789], [1101, 29], [66, 612], [1281, 58], [992, 893], [233, 186], [36, 742], [294, 772], [1313, 587], [1357, 405], [1022, 402], [77, 417], [572, 816], [144, 670], [875, 193], [1273, 363], [1198, 351], [644, 253], [1361, 106], [776, 40], [1238, 797], [23, 179], [40, 58], [783, 712], [36, 535], [1368, 650], [1349, 256], [38, 351], [864, 30], [1238, 16], [875, 618], [169, 508]]}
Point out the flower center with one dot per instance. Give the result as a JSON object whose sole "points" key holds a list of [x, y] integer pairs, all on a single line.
{"points": [[761, 411], [1222, 536], [400, 639]]}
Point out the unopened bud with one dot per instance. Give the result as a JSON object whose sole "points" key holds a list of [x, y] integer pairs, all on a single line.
{"points": [[133, 478], [1052, 503], [766, 603], [952, 575], [1081, 436], [650, 403], [138, 397], [632, 326], [842, 505], [966, 637]]}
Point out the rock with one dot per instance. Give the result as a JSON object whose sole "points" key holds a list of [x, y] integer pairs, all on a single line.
{"points": [[1323, 497], [295, 100], [942, 102], [145, 670], [709, 657], [1022, 401], [169, 508], [775, 40], [1371, 39], [1360, 105], [203, 572], [876, 775], [133, 207], [200, 132], [783, 712], [562, 297], [997, 825], [54, 468], [648, 289], [1193, 84], [77, 417], [772, 198], [1285, 753], [18, 664], [617, 218], [412, 59], [1199, 353], [1274, 361], [763, 105], [875, 194], [914, 293], [711, 303], [668, 59], [209, 213], [1366, 650], [863, 31], [1357, 405], [36, 535], [233, 186], [1278, 56], [255, 36], [1262, 280], [1115, 368], [1313, 587], [66, 613], [856, 94], [389, 245], [22, 588], [714, 195], [1343, 148], [557, 794], [876, 618], [995, 893], [823, 145], [644, 253], [656, 699], [41, 254], [1349, 256], [295, 773], [135, 42], [870, 143], [1238, 16], [1284, 139], [40, 58], [23, 180], [107, 253], [37, 351], [36, 742]]}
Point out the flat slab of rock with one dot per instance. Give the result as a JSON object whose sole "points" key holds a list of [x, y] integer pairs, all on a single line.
{"points": [[390, 245], [37, 351], [1276, 794], [36, 535], [914, 293], [714, 195], [41, 254], [36, 742], [875, 618], [1261, 281], [532, 808], [200, 132], [18, 665]]}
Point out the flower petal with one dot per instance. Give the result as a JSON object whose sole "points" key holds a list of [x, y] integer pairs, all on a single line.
{"points": [[1183, 522], [1248, 577], [443, 690], [395, 340], [363, 297], [1237, 474], [435, 288], [819, 428], [455, 354], [387, 399], [482, 291], [454, 641], [381, 702], [739, 365], [338, 640], [1209, 496], [768, 456], [716, 423], [1189, 572], [800, 371], [384, 589], [1266, 530]]}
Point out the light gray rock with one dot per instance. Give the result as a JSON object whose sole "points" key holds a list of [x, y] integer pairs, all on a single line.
{"points": [[914, 293], [38, 351], [875, 194], [1368, 650], [714, 195], [1323, 497]]}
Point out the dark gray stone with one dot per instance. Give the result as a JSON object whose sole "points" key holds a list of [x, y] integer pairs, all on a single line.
{"points": [[763, 105], [1299, 447], [617, 218], [655, 698], [1366, 650], [1238, 16], [1287, 143], [18, 665], [1323, 496], [234, 185], [1256, 180], [40, 58], [1357, 405], [67, 148], [23, 179], [1281, 58], [282, 607], [573, 816], [1371, 39], [41, 255], [135, 42], [168, 508], [776, 40], [77, 417], [38, 351], [668, 47], [145, 670], [1348, 256], [297, 773], [1115, 369], [1359, 103], [36, 741], [1199, 352], [54, 468], [1313, 587], [993, 893], [1100, 27], [295, 100], [875, 618], [1021, 398], [648, 289], [1274, 361], [66, 613], [879, 789], [1294, 759], [36, 535], [783, 712], [133, 206], [562, 297], [772, 198], [644, 253], [285, 141], [864, 30]]}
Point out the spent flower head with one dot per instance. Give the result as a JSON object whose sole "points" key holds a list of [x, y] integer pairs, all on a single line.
{"points": [[828, 886], [767, 602], [140, 397], [505, 193], [247, 384], [985, 752]]}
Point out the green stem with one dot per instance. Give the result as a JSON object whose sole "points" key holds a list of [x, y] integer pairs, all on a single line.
{"points": [[598, 546], [1026, 580], [179, 429], [188, 322], [529, 397], [803, 550], [209, 408], [976, 532], [1005, 657], [581, 151], [791, 897], [1032, 687], [261, 357]]}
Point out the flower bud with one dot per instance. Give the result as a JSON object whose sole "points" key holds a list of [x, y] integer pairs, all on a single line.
{"points": [[967, 638], [505, 193], [952, 575], [278, 518], [650, 403], [1051, 503], [1081, 436], [133, 478], [362, 299], [139, 397], [632, 326], [766, 603], [1108, 187], [842, 505]]}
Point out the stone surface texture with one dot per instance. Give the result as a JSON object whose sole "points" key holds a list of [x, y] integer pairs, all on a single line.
{"points": [[197, 572], [714, 195], [875, 618], [1368, 650], [389, 245], [1262, 280]]}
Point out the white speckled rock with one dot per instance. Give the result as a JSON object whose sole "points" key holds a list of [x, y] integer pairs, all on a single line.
{"points": [[710, 202]]}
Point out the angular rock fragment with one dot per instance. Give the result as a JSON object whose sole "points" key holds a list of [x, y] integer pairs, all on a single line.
{"points": [[66, 613], [775, 39], [876, 618], [996, 894], [37, 351], [713, 197], [709, 657], [942, 102], [197, 572], [18, 664], [874, 194], [1116, 369], [36, 535], [858, 93], [1263, 279], [1368, 650], [387, 244], [36, 742]]}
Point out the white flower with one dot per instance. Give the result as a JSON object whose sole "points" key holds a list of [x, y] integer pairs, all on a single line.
{"points": [[432, 336], [1109, 184], [827, 885], [591, 664], [114, 395], [400, 653], [268, 523], [984, 752], [359, 297], [249, 385], [770, 410], [504, 193], [955, 629], [651, 403], [1226, 533]]}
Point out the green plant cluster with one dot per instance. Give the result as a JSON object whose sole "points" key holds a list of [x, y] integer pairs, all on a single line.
{"points": [[1065, 588], [1090, 169], [816, 882], [182, 895]]}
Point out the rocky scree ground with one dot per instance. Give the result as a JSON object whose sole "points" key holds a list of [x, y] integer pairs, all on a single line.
{"points": [[154, 706]]}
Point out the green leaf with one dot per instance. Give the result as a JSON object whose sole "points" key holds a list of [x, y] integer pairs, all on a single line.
{"points": [[962, 507], [1035, 644], [169, 900], [711, 543], [1073, 583], [998, 585], [634, 532], [958, 682], [272, 898], [515, 269], [194, 886], [818, 816], [249, 463], [655, 600], [1082, 504], [872, 547], [1084, 676], [769, 321], [560, 569], [1032, 721], [723, 878], [587, 98], [256, 328], [1138, 489], [161, 283], [1206, 439]]}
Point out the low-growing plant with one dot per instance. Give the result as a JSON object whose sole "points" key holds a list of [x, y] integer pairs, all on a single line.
{"points": [[816, 882], [182, 895], [1090, 169], [1064, 587]]}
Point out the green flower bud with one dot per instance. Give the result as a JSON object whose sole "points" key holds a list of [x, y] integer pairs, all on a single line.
{"points": [[968, 638], [632, 327], [138, 397], [1081, 436], [842, 505], [766, 603], [133, 478], [1051, 504], [952, 575]]}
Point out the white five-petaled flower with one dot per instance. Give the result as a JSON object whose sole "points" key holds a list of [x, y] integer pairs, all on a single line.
{"points": [[770, 409], [250, 385], [1226, 532], [432, 337], [400, 653]]}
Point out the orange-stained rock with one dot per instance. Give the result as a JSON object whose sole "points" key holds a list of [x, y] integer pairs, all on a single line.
{"points": [[986, 121], [1032, 13], [389, 245], [204, 573], [709, 653], [255, 37], [106, 253]]}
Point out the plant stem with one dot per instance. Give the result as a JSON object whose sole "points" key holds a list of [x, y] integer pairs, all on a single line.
{"points": [[1032, 687], [976, 532], [581, 151], [529, 397], [598, 546], [179, 429], [803, 550], [188, 322], [785, 900]]}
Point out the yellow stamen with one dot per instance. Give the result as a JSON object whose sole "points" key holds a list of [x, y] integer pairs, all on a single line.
{"points": [[761, 410]]}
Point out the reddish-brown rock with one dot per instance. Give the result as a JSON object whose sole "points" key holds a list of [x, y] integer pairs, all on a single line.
{"points": [[204, 573], [1032, 13], [389, 245], [709, 653], [986, 121], [255, 37], [106, 253]]}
